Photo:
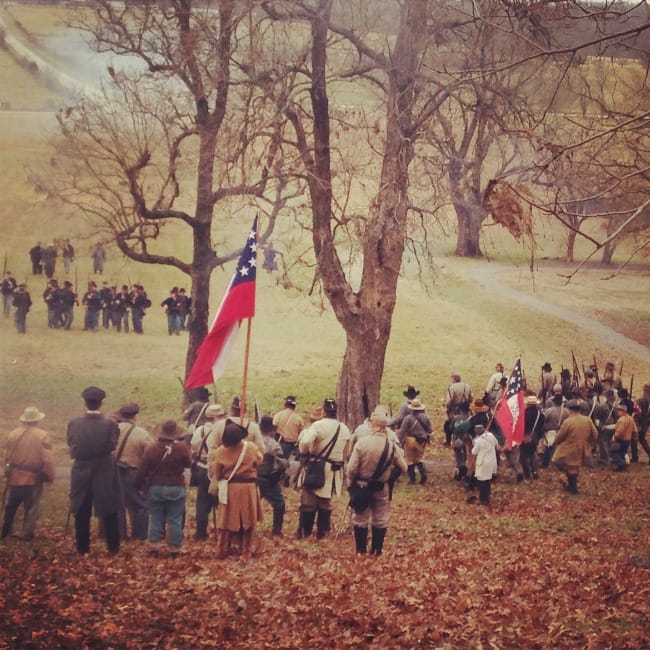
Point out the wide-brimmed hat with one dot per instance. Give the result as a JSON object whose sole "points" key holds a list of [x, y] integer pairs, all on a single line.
{"points": [[573, 405], [547, 366], [232, 434], [214, 411], [266, 424], [480, 406], [170, 429], [31, 414], [290, 400], [416, 405], [411, 392], [532, 400]]}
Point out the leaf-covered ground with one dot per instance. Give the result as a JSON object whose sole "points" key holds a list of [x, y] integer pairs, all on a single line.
{"points": [[542, 569]]}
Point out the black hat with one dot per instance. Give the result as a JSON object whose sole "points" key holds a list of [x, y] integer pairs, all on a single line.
{"points": [[67, 283], [266, 424], [410, 392], [93, 394], [170, 429], [236, 403], [290, 400], [201, 394], [232, 434], [329, 405], [573, 405], [129, 410], [547, 367]]}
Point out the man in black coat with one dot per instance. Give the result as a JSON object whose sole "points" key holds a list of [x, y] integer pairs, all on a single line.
{"points": [[94, 478]]}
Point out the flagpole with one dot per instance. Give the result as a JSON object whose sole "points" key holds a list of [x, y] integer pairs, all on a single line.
{"points": [[245, 378]]}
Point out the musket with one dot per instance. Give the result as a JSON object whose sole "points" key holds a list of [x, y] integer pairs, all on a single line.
{"points": [[258, 411], [620, 370], [631, 385], [576, 371], [4, 270], [596, 369]]}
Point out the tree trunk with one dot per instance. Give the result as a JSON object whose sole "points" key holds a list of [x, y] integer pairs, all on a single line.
{"points": [[469, 232], [608, 252]]}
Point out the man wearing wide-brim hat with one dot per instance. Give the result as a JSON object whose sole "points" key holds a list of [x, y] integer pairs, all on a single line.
{"points": [[414, 434], [94, 478], [624, 431], [573, 443], [29, 463], [410, 394]]}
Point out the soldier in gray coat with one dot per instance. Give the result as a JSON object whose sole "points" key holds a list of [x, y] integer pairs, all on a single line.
{"points": [[94, 478]]}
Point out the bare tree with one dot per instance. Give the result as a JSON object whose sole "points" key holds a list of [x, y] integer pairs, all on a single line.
{"points": [[172, 135]]}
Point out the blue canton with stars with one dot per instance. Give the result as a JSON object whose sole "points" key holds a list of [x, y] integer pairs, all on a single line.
{"points": [[247, 266]]}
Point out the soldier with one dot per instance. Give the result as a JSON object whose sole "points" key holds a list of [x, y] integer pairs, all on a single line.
{"points": [[459, 394], [99, 258], [185, 303], [52, 301], [414, 435], [643, 418], [9, 284], [492, 387], [22, 302], [201, 442], [405, 408], [254, 434], [35, 255], [549, 379], [28, 464], [129, 452], [121, 309], [93, 303], [67, 251], [68, 299], [106, 296], [139, 304], [327, 439], [624, 431], [94, 479], [270, 472], [289, 424], [49, 260], [173, 306], [533, 428]]}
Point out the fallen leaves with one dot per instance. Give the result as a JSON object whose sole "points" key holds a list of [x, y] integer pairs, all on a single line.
{"points": [[541, 570]]}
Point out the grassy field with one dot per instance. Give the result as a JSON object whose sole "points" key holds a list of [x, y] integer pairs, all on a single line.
{"points": [[539, 570]]}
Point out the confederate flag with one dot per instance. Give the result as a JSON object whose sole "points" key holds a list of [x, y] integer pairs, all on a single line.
{"points": [[510, 409], [238, 303]]}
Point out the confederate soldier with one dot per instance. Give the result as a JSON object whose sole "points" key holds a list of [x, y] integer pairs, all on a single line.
{"points": [[201, 442], [576, 436], [8, 285], [459, 394], [405, 408], [94, 478], [554, 416], [254, 434], [195, 413], [68, 300], [624, 431], [492, 387], [414, 434], [330, 437], [270, 472], [374, 457], [99, 258], [35, 255], [129, 452], [533, 428], [289, 425], [49, 259], [93, 303], [549, 379], [22, 302], [28, 464], [605, 417], [643, 404]]}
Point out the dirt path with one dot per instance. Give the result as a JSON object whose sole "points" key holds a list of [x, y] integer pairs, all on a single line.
{"points": [[485, 274]]}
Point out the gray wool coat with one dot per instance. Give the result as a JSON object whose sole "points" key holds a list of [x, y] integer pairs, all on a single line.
{"points": [[91, 440]]}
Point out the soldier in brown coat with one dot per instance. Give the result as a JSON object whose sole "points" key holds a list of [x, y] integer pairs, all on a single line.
{"points": [[28, 464], [573, 442]]}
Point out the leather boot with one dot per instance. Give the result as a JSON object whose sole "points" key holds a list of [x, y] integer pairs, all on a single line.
{"points": [[423, 474], [377, 545], [223, 544], [323, 523], [246, 543], [361, 538], [411, 472], [572, 483], [306, 524], [278, 518]]}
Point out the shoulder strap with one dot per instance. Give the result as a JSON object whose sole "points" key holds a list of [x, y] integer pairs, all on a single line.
{"points": [[204, 437], [126, 437], [239, 460], [382, 464], [198, 417], [327, 450]]}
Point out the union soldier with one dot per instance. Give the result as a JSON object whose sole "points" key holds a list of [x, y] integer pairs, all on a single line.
{"points": [[22, 302], [49, 259], [68, 299], [139, 304], [106, 296], [28, 464], [67, 251], [94, 478], [99, 258], [173, 306], [93, 303], [35, 255], [121, 309], [52, 301], [9, 284]]}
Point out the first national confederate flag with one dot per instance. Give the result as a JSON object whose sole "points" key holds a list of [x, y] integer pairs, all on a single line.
{"points": [[510, 410], [237, 304]]}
